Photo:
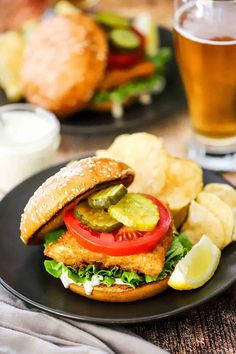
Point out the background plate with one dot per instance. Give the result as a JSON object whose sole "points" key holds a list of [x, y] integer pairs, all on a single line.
{"points": [[165, 104], [22, 273]]}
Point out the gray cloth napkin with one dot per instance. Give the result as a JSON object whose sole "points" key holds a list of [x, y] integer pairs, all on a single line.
{"points": [[27, 331]]}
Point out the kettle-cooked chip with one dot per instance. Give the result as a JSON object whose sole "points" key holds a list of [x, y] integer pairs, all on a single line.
{"points": [[11, 49], [201, 221], [145, 154], [183, 183], [179, 216], [222, 212], [226, 193]]}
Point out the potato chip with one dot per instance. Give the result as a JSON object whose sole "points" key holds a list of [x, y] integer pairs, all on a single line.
{"points": [[226, 193], [145, 154], [11, 48], [201, 221], [183, 183], [222, 212], [179, 216]]}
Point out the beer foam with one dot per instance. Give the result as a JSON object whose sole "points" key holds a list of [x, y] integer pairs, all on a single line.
{"points": [[206, 20]]}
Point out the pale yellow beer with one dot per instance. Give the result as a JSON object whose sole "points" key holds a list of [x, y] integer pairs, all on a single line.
{"points": [[206, 52]]}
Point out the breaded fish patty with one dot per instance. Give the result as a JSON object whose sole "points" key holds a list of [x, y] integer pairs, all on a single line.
{"points": [[68, 251], [64, 62]]}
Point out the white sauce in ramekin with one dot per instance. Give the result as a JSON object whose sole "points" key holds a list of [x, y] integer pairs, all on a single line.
{"points": [[29, 137]]}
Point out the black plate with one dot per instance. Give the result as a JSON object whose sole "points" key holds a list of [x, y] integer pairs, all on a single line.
{"points": [[88, 122], [23, 274]]}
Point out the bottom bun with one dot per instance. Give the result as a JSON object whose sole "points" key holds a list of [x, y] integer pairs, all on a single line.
{"points": [[122, 293]]}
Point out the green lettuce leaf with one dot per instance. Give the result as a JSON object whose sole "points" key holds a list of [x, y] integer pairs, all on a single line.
{"points": [[133, 88], [109, 281], [51, 237], [132, 278], [161, 59], [54, 268], [179, 248], [139, 86]]}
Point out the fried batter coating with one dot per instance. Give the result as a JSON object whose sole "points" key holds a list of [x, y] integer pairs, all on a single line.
{"points": [[64, 62], [71, 253], [116, 77]]}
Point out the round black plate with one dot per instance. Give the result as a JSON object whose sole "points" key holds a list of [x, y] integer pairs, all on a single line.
{"points": [[23, 274], [88, 122]]}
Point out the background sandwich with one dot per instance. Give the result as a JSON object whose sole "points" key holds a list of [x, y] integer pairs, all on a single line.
{"points": [[136, 64]]}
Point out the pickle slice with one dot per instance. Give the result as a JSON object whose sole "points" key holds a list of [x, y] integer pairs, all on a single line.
{"points": [[124, 39], [97, 219], [112, 20], [135, 211], [106, 197]]}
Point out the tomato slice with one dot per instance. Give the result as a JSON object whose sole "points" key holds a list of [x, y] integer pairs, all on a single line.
{"points": [[121, 59], [123, 242], [124, 60], [125, 233]]}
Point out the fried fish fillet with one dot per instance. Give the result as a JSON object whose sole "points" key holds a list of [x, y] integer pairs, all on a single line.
{"points": [[116, 77], [71, 253]]}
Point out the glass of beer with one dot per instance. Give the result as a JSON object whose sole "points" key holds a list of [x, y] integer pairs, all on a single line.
{"points": [[205, 43]]}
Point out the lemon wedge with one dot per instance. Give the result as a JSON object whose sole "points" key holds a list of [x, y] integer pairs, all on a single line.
{"points": [[197, 267]]}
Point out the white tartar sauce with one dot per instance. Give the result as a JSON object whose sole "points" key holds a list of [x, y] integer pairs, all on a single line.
{"points": [[89, 284], [66, 281], [117, 110], [145, 98]]}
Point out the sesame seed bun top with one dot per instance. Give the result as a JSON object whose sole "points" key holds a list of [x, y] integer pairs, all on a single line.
{"points": [[45, 210]]}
